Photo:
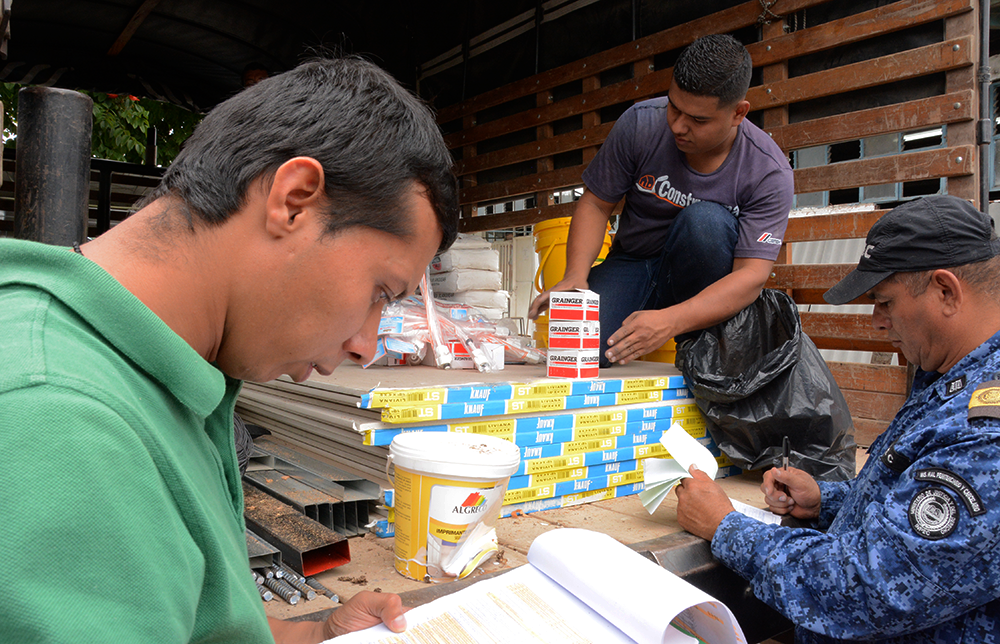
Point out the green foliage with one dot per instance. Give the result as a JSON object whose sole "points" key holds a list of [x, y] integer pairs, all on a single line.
{"points": [[121, 123]]}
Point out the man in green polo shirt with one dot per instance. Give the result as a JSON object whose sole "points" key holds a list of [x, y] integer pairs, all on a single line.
{"points": [[295, 211]]}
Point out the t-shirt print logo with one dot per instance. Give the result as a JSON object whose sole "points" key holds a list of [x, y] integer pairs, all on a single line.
{"points": [[660, 188]]}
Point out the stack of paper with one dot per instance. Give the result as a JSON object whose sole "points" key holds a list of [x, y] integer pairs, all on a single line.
{"points": [[662, 474]]}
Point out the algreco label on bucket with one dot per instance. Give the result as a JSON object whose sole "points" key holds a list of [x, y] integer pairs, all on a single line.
{"points": [[452, 509]]}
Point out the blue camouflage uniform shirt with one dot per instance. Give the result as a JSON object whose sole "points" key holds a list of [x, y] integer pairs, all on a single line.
{"points": [[911, 548]]}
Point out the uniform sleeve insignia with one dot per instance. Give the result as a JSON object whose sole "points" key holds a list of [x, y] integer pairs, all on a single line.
{"points": [[985, 400], [952, 387], [933, 513], [957, 484], [894, 460]]}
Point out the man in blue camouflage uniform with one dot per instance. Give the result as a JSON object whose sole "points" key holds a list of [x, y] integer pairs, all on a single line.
{"points": [[908, 551]]}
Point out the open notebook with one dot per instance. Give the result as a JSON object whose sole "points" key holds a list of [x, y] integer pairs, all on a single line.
{"points": [[578, 587]]}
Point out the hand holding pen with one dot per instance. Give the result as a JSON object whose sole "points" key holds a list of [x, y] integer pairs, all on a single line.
{"points": [[788, 490]]}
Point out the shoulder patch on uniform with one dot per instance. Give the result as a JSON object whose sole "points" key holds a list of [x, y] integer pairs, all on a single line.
{"points": [[894, 460], [985, 400], [957, 484], [933, 513], [952, 387]]}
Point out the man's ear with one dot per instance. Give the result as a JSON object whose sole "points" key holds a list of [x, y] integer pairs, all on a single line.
{"points": [[740, 111], [296, 191], [949, 290]]}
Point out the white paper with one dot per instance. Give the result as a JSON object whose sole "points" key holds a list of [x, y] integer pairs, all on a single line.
{"points": [[579, 587], [756, 513], [660, 475]]}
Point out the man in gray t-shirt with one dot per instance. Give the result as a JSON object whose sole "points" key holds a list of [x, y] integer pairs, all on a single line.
{"points": [[707, 196]]}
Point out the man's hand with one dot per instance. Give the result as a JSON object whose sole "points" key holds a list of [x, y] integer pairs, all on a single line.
{"points": [[541, 303], [791, 491], [364, 610], [641, 333], [701, 504]]}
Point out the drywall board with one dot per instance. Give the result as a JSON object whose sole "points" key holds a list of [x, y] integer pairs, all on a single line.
{"points": [[351, 380]]}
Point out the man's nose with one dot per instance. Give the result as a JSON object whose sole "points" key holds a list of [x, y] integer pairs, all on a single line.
{"points": [[360, 347]]}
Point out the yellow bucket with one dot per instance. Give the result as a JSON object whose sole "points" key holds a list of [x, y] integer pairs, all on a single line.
{"points": [[550, 244], [541, 333], [448, 491], [666, 353]]}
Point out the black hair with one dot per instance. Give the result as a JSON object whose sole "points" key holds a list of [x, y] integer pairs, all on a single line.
{"points": [[716, 65], [375, 141]]}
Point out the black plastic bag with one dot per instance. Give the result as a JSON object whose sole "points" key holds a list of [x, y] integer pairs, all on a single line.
{"points": [[757, 378]]}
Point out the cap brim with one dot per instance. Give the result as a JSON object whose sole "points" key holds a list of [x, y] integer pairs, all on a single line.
{"points": [[856, 284]]}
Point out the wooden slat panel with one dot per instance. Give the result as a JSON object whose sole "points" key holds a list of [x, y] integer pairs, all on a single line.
{"points": [[654, 83], [967, 25], [870, 377], [841, 226], [911, 166], [535, 150], [530, 184], [725, 21], [854, 28], [852, 344], [815, 296], [840, 325], [912, 115], [913, 63], [867, 430], [873, 405], [818, 276], [518, 218]]}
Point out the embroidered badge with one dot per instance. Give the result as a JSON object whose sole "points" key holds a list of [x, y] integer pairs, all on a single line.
{"points": [[933, 513], [952, 387], [894, 460], [985, 400], [957, 484]]}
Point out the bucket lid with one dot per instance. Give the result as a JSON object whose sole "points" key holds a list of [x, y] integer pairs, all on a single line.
{"points": [[456, 454]]}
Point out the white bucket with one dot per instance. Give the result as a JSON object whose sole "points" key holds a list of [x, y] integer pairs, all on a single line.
{"points": [[448, 491]]}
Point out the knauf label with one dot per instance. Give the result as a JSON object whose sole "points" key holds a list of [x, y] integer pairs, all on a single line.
{"points": [[449, 488]]}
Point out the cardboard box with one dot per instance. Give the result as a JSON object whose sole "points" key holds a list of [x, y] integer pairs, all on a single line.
{"points": [[574, 305], [463, 359], [573, 363], [574, 334]]}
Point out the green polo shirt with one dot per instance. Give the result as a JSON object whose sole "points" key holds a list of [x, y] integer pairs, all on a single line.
{"points": [[121, 512]]}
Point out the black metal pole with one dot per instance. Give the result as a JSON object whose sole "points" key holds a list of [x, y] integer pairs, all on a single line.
{"points": [[985, 129], [52, 186]]}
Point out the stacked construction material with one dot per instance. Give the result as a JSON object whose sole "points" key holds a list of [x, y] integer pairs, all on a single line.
{"points": [[581, 440], [469, 273]]}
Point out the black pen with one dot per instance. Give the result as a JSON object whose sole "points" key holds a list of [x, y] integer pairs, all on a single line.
{"points": [[784, 453]]}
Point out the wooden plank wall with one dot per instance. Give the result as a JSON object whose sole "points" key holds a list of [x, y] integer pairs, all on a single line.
{"points": [[874, 391]]}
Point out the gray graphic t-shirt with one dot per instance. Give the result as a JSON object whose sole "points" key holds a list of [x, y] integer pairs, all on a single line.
{"points": [[640, 161]]}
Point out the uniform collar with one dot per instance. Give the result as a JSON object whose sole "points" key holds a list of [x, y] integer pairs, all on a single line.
{"points": [[956, 379]]}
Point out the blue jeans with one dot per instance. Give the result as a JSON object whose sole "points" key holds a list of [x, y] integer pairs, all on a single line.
{"points": [[698, 252]]}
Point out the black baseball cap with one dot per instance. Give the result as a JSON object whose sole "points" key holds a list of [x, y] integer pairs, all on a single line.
{"points": [[932, 232]]}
